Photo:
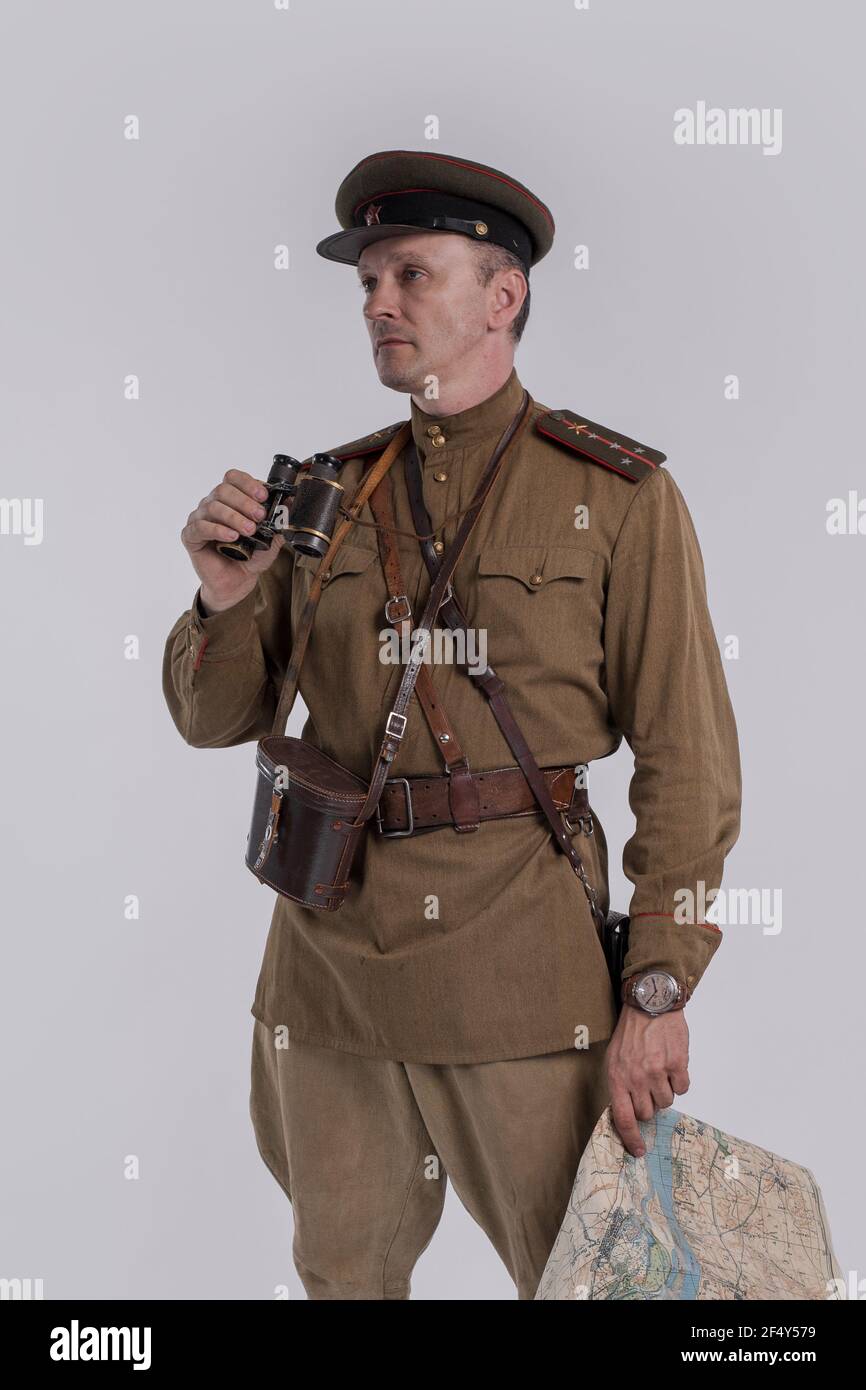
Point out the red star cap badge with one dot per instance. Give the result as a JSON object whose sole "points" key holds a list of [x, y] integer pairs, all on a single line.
{"points": [[372, 213]]}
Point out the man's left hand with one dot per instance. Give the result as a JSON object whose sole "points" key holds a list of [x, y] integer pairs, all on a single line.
{"points": [[647, 1062]]}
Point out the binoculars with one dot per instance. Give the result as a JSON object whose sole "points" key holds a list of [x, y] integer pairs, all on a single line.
{"points": [[303, 502]]}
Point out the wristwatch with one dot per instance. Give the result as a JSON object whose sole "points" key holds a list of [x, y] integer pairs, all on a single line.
{"points": [[654, 991]]}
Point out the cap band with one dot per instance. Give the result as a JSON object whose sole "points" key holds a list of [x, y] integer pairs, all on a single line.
{"points": [[431, 210]]}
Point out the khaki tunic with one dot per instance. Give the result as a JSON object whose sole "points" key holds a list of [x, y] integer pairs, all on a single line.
{"points": [[479, 947]]}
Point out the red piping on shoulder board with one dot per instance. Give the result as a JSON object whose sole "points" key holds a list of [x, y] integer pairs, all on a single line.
{"points": [[594, 457], [198, 660]]}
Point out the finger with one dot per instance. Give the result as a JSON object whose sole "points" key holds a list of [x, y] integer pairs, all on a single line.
{"points": [[662, 1095], [195, 535], [679, 1079], [213, 510], [245, 482], [622, 1112], [261, 559], [642, 1102], [238, 500]]}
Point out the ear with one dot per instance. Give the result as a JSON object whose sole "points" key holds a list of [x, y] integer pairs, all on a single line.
{"points": [[510, 288]]}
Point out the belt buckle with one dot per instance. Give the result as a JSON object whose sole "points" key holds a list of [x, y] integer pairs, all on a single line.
{"points": [[396, 834]]}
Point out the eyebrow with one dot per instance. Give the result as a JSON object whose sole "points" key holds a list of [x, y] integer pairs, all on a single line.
{"points": [[400, 257]]}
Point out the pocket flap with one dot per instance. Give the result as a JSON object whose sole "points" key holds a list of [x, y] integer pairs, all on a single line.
{"points": [[349, 559], [536, 565]]}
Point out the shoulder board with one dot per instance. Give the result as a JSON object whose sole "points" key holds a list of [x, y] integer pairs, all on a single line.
{"points": [[370, 444], [600, 444]]}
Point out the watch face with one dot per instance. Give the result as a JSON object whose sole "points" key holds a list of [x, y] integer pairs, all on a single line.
{"points": [[656, 991]]}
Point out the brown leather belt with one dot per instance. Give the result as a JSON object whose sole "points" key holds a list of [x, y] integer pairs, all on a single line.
{"points": [[412, 804]]}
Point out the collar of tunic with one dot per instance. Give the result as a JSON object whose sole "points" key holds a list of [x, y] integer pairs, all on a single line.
{"points": [[436, 436]]}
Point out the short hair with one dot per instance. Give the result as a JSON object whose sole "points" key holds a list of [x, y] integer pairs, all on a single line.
{"points": [[488, 259]]}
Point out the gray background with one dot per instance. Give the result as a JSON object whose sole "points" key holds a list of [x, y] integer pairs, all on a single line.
{"points": [[156, 258]]}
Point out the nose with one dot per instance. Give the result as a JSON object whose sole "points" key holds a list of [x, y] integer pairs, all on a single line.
{"points": [[382, 302]]}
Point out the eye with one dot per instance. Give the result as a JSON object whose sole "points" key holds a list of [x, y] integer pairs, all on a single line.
{"points": [[364, 281]]}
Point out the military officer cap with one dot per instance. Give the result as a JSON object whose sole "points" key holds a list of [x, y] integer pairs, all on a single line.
{"points": [[399, 191]]}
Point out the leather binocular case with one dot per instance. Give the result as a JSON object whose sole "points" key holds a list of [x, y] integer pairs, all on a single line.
{"points": [[302, 841]]}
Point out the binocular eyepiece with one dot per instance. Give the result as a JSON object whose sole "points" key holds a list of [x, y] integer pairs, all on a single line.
{"points": [[303, 503]]}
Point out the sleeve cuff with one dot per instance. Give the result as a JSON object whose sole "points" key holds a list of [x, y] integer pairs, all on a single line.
{"points": [[657, 942], [222, 634]]}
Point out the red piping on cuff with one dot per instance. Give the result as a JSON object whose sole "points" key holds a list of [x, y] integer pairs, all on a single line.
{"points": [[712, 926], [198, 660]]}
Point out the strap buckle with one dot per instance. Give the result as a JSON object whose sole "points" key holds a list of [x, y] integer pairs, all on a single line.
{"points": [[400, 617], [585, 822], [395, 733], [396, 834], [270, 836]]}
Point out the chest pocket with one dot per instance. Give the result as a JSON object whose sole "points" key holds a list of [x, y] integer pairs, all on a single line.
{"points": [[349, 559], [539, 604], [535, 567], [349, 612]]}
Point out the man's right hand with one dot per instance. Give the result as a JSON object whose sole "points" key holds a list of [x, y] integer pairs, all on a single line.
{"points": [[647, 1064], [233, 507]]}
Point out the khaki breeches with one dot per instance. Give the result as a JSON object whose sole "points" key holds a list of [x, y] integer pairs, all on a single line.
{"points": [[361, 1147]]}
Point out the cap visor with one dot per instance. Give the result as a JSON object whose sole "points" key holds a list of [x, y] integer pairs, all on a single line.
{"points": [[347, 246]]}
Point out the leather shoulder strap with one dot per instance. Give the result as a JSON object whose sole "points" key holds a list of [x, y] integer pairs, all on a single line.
{"points": [[371, 479], [463, 795], [396, 722], [368, 443]]}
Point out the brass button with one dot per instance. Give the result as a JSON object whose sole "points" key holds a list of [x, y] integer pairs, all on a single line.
{"points": [[481, 228], [433, 429], [326, 576], [535, 579], [439, 546], [441, 477], [437, 441]]}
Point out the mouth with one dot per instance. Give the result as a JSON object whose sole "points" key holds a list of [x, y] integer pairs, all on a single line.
{"points": [[392, 342]]}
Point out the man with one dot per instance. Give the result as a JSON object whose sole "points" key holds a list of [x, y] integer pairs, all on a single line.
{"points": [[456, 1015]]}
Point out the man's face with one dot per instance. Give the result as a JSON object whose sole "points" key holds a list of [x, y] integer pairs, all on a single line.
{"points": [[421, 290]]}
